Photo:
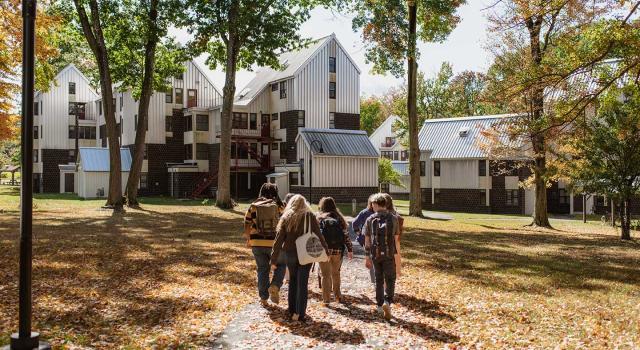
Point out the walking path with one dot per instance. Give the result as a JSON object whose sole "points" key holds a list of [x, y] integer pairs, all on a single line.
{"points": [[352, 325]]}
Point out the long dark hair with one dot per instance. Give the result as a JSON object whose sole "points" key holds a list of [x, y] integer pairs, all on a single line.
{"points": [[270, 191], [327, 207]]}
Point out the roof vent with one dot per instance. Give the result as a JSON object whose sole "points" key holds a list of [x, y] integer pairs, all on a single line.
{"points": [[464, 131]]}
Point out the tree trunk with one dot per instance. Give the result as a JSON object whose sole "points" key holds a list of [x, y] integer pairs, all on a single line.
{"points": [[415, 194], [625, 219], [538, 137], [223, 197], [143, 107], [93, 33]]}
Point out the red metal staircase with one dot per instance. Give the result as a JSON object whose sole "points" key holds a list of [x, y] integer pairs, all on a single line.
{"points": [[201, 183], [263, 161]]}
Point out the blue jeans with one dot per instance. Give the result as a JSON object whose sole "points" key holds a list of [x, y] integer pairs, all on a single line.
{"points": [[298, 285], [263, 258]]}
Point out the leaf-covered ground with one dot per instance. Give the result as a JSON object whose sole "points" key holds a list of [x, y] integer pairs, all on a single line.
{"points": [[174, 274]]}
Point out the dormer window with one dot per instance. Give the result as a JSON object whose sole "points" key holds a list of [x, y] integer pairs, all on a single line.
{"points": [[463, 132]]}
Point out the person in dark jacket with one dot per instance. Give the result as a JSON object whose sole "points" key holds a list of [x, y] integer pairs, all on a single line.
{"points": [[291, 226], [357, 225]]}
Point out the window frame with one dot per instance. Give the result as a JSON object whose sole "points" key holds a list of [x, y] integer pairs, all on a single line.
{"points": [[332, 120], [144, 181], [283, 90], [436, 168], [36, 108], [482, 167], [201, 121], [423, 168], [72, 88], [332, 64], [168, 96], [202, 151], [296, 177], [301, 116], [253, 121], [36, 132], [512, 198], [274, 116], [179, 98], [188, 151], [283, 150], [332, 90], [274, 87]]}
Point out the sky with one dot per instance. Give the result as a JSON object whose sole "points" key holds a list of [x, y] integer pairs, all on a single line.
{"points": [[464, 48]]}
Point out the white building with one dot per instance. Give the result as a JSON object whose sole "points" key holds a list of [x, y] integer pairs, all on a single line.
{"points": [[387, 142], [93, 171], [61, 114]]}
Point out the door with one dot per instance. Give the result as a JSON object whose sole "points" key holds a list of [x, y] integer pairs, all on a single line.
{"points": [[265, 122], [192, 98], [69, 179]]}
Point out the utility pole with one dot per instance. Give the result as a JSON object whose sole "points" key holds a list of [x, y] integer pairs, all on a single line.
{"points": [[25, 339]]}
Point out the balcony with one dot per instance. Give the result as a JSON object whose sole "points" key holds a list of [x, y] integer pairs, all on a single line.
{"points": [[388, 144], [245, 163]]}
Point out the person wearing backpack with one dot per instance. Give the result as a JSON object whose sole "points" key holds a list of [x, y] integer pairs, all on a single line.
{"points": [[357, 225], [333, 228], [294, 223], [392, 209], [381, 230], [260, 224]]}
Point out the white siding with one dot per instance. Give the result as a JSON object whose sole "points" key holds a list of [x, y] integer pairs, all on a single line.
{"points": [[55, 108], [312, 90], [425, 181], [339, 171], [459, 173], [347, 84], [90, 182]]}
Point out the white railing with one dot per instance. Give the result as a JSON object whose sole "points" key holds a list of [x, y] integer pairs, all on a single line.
{"points": [[245, 163]]}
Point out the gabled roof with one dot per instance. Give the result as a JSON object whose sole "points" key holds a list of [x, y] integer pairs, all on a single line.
{"points": [[94, 159], [292, 61], [459, 137], [338, 142], [69, 67], [386, 123], [205, 75]]}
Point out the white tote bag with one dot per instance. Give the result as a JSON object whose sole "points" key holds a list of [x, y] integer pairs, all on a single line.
{"points": [[309, 247]]}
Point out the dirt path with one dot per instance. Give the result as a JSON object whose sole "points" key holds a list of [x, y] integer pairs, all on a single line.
{"points": [[352, 325]]}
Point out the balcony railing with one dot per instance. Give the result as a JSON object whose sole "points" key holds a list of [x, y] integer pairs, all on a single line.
{"points": [[245, 163], [387, 144]]}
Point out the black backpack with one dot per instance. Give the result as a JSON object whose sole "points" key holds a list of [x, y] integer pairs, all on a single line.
{"points": [[332, 232], [381, 226]]}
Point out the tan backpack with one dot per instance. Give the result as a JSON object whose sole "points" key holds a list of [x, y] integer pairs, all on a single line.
{"points": [[267, 217]]}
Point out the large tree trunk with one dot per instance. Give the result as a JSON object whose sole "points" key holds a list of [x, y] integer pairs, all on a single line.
{"points": [[625, 219], [415, 194], [223, 197], [143, 106], [538, 137], [93, 33]]}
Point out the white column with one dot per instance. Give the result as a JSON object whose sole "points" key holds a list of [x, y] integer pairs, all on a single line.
{"points": [[571, 203]]}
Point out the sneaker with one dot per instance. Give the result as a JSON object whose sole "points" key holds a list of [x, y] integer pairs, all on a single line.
{"points": [[386, 308], [264, 302], [274, 294], [380, 310]]}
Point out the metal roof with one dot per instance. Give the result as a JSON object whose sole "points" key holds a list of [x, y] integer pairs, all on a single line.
{"points": [[402, 167], [460, 137], [339, 142], [97, 159]]}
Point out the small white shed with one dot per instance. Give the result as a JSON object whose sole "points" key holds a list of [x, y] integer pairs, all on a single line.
{"points": [[93, 171]]}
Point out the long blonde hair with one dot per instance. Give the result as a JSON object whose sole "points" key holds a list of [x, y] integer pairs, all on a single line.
{"points": [[294, 213]]}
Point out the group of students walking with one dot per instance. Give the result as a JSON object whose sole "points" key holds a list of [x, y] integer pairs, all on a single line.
{"points": [[273, 229]]}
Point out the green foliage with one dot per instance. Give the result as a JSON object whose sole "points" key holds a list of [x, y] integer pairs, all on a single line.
{"points": [[385, 29], [387, 174], [607, 145], [371, 114], [10, 152]]}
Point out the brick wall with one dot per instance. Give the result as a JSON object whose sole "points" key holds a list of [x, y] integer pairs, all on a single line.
{"points": [[244, 190], [553, 201], [340, 194], [455, 199], [182, 184], [214, 160], [347, 121], [289, 121], [51, 158]]}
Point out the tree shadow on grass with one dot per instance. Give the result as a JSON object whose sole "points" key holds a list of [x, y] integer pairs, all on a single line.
{"points": [[427, 308], [319, 330]]}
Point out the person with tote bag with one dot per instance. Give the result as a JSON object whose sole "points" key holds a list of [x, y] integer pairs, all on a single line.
{"points": [[298, 234]]}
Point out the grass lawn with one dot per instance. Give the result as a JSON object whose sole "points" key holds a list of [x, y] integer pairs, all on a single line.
{"points": [[174, 273]]}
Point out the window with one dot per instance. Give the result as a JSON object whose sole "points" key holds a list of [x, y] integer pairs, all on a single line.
{"points": [[35, 155], [239, 121], [436, 168], [72, 132], [384, 187], [188, 151], [121, 100], [404, 155], [436, 196], [301, 119], [83, 132], [301, 175], [72, 88], [202, 122], [35, 132], [188, 123], [294, 179], [389, 141], [35, 108], [253, 121], [396, 155], [202, 151], [41, 131], [72, 156], [274, 146], [135, 122], [423, 168], [387, 154], [483, 197], [192, 98], [144, 181], [332, 64], [563, 196], [241, 150], [482, 167], [234, 151], [179, 96], [168, 123], [168, 96], [511, 198], [283, 150], [274, 87], [99, 103], [179, 76], [254, 148], [332, 120], [283, 89], [332, 90], [274, 116]]}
